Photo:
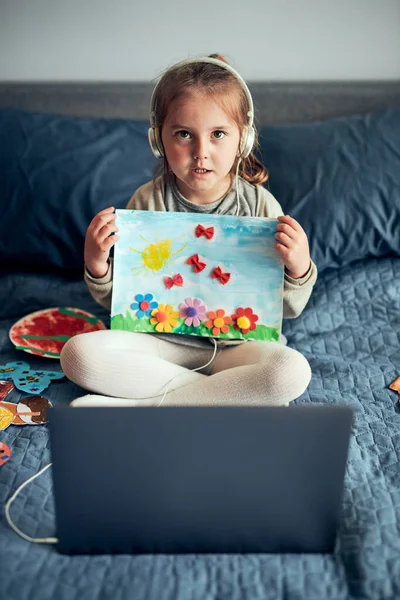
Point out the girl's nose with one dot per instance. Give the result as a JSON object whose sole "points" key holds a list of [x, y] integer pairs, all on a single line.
{"points": [[200, 150]]}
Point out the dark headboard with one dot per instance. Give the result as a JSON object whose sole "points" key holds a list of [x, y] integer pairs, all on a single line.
{"points": [[274, 102]]}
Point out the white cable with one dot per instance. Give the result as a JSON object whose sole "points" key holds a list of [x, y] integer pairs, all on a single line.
{"points": [[215, 343], [193, 370], [13, 497], [237, 188], [174, 377], [21, 487], [7, 512]]}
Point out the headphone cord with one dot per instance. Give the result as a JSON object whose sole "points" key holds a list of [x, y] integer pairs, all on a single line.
{"points": [[193, 370], [14, 527], [51, 540], [21, 487], [237, 188]]}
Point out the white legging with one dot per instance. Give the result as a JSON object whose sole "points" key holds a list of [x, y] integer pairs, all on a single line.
{"points": [[134, 369]]}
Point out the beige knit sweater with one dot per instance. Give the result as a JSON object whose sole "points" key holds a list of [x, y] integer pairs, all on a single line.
{"points": [[254, 200]]}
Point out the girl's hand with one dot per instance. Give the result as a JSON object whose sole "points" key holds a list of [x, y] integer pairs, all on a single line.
{"points": [[99, 241], [292, 245]]}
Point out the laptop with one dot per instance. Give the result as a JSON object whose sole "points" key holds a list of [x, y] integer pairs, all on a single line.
{"points": [[198, 480]]}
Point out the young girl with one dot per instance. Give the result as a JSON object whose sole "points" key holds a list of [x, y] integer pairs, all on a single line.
{"points": [[202, 126]]}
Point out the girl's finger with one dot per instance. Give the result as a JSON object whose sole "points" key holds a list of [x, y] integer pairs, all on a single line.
{"points": [[110, 209], [109, 242], [284, 239], [283, 251], [106, 230], [290, 221], [101, 220], [286, 228]]}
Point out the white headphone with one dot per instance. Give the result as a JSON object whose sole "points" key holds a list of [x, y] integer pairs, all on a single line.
{"points": [[248, 134]]}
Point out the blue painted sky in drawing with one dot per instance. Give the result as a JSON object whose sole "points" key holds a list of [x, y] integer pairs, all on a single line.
{"points": [[242, 246]]}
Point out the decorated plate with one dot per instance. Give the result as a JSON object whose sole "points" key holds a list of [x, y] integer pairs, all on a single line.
{"points": [[46, 331]]}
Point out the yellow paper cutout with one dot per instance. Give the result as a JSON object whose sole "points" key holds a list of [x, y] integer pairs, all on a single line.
{"points": [[6, 417]]}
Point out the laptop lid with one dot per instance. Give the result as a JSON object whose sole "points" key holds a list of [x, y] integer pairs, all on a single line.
{"points": [[189, 479]]}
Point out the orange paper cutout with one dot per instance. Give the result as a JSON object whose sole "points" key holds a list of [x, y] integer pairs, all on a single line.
{"points": [[395, 385], [31, 410]]}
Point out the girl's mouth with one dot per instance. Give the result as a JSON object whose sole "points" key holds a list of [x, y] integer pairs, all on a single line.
{"points": [[200, 172]]}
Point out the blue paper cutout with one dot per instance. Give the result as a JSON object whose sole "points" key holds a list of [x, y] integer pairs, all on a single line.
{"points": [[27, 380], [138, 305]]}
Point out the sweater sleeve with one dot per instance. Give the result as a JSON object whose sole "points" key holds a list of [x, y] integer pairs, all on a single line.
{"points": [[296, 292], [148, 197], [100, 288]]}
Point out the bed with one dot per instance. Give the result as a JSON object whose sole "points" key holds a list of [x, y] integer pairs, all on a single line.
{"points": [[333, 152]]}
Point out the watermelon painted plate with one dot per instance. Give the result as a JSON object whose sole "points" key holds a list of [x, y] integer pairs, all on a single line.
{"points": [[46, 331]]}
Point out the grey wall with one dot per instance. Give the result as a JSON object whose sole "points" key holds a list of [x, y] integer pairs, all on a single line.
{"points": [[134, 40]]}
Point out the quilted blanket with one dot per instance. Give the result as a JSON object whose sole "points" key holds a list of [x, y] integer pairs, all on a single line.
{"points": [[350, 333]]}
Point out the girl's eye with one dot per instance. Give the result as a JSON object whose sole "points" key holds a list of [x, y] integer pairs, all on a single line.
{"points": [[184, 135], [219, 134]]}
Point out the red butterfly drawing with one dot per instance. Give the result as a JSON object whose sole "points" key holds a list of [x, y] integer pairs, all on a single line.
{"points": [[175, 280], [208, 233], [196, 263], [218, 274]]}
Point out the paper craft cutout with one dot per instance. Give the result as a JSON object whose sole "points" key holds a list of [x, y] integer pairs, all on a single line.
{"points": [[5, 388], [395, 385], [175, 280], [5, 453], [196, 263], [6, 417], [45, 332], [193, 311], [144, 305], [231, 289], [245, 320], [164, 318], [218, 322], [207, 232], [27, 380], [222, 277], [31, 410]]}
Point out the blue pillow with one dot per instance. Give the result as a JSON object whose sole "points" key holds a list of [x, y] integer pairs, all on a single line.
{"points": [[340, 179], [56, 173]]}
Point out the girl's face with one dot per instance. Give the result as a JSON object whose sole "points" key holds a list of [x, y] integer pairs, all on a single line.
{"points": [[199, 134]]}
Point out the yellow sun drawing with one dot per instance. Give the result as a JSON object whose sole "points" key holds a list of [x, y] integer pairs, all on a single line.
{"points": [[155, 256]]}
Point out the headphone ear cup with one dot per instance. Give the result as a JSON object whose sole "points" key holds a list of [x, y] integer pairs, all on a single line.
{"points": [[155, 142], [247, 141]]}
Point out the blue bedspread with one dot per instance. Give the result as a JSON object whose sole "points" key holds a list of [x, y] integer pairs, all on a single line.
{"points": [[350, 333]]}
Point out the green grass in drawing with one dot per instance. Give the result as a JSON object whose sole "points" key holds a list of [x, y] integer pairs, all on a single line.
{"points": [[131, 323]]}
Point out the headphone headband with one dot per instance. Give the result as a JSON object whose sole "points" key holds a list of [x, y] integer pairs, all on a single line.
{"points": [[202, 59], [248, 136]]}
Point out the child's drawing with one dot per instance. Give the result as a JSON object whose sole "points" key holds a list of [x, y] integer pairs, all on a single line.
{"points": [[203, 275]]}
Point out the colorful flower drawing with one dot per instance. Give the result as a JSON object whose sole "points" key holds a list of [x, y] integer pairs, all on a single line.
{"points": [[197, 274], [218, 322], [164, 318], [144, 305], [193, 310], [245, 320]]}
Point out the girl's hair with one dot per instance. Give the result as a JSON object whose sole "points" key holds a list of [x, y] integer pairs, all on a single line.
{"points": [[226, 89]]}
